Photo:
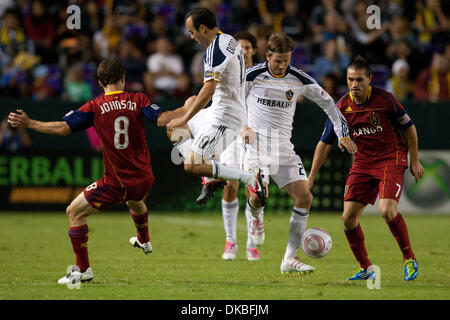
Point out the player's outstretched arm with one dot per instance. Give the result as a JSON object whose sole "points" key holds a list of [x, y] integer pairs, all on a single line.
{"points": [[415, 167], [204, 96], [320, 155], [166, 116], [20, 119]]}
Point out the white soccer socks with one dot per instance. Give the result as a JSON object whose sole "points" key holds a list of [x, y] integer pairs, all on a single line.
{"points": [[227, 173], [297, 227], [230, 212]]}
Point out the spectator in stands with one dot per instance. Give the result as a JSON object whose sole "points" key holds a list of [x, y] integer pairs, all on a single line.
{"points": [[76, 89], [133, 61], [126, 11], [290, 21], [164, 67], [4, 5], [246, 14], [13, 140], [106, 41], [402, 50], [433, 83], [12, 38], [74, 46], [91, 16], [332, 60], [400, 30], [318, 14], [40, 28], [196, 70], [267, 9], [334, 27], [262, 34], [183, 89], [399, 84], [431, 22], [371, 42], [40, 89], [330, 84]]}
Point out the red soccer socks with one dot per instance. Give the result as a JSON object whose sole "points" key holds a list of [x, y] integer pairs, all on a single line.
{"points": [[141, 223], [400, 233], [355, 238], [79, 238]]}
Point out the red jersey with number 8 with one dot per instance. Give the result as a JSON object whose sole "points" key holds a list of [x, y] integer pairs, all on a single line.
{"points": [[118, 118]]}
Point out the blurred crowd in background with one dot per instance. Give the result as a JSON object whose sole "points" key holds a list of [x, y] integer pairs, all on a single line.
{"points": [[40, 58]]}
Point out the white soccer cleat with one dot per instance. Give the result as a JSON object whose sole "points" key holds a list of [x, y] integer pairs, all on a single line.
{"points": [[230, 251], [74, 275], [252, 254], [257, 230], [295, 266], [146, 247]]}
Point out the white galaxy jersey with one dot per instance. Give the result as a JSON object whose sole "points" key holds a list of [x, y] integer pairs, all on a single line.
{"points": [[224, 62], [272, 100]]}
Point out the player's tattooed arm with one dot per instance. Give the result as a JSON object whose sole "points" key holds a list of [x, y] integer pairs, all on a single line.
{"points": [[20, 119]]}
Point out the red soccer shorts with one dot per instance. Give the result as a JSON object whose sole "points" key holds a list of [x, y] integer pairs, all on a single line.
{"points": [[365, 185], [102, 196]]}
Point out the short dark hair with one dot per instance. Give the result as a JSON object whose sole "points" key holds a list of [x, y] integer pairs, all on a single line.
{"points": [[202, 16], [245, 35], [359, 63], [280, 42], [109, 71]]}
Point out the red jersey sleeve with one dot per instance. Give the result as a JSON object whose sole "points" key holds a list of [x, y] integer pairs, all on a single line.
{"points": [[398, 113], [80, 119]]}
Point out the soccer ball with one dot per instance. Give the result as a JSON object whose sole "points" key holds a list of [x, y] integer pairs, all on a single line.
{"points": [[316, 243]]}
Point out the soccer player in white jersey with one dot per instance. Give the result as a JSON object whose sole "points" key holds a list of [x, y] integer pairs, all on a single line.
{"points": [[233, 156], [272, 90], [224, 84]]}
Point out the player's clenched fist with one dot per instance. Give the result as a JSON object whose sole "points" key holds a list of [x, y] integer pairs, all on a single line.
{"points": [[18, 119]]}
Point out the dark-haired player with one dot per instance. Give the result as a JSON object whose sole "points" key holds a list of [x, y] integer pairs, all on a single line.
{"points": [[224, 79], [375, 118], [118, 118]]}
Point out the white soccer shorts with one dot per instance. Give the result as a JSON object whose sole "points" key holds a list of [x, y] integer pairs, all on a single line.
{"points": [[233, 155], [283, 164]]}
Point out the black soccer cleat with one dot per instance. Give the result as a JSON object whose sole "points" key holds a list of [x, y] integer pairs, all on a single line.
{"points": [[208, 190]]}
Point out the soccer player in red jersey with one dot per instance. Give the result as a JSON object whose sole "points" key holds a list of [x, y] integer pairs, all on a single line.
{"points": [[374, 117], [118, 118]]}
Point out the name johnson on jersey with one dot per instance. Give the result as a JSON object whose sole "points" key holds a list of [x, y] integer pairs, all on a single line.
{"points": [[117, 105]]}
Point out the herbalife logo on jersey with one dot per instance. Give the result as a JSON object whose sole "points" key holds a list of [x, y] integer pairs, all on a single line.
{"points": [[275, 103]]}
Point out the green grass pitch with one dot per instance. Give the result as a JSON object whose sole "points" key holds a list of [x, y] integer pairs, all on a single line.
{"points": [[186, 262]]}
